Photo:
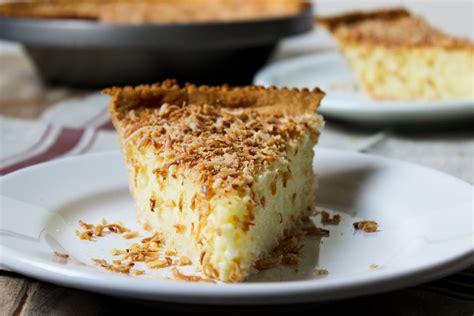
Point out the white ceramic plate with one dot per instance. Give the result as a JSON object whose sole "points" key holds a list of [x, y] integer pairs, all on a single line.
{"points": [[425, 218], [347, 102]]}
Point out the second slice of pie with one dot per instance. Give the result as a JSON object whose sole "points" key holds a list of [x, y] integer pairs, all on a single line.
{"points": [[223, 173], [399, 56]]}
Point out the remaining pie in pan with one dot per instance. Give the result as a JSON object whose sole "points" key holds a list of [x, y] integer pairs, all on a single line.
{"points": [[396, 55], [155, 11], [223, 173]]}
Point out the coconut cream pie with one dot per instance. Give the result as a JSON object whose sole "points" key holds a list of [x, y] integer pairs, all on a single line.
{"points": [[154, 11], [223, 173]]}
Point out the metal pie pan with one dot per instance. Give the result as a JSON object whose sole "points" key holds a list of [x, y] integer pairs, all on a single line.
{"points": [[88, 53]]}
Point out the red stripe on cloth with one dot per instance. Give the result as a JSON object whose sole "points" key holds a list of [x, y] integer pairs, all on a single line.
{"points": [[68, 138], [107, 126], [33, 147]]}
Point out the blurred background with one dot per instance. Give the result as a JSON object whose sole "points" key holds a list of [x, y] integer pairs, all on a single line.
{"points": [[454, 17], [85, 56]]}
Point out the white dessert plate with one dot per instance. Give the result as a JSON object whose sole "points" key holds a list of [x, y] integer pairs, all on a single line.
{"points": [[345, 101], [425, 232]]}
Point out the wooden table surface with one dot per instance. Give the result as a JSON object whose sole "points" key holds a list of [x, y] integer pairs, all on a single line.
{"points": [[448, 148]]}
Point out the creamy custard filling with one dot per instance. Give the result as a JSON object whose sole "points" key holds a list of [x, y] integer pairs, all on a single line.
{"points": [[242, 226]]}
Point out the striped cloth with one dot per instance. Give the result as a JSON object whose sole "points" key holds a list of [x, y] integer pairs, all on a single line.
{"points": [[69, 128]]}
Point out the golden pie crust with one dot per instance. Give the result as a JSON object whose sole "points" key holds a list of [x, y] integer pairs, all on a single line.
{"points": [[390, 28], [155, 11]]}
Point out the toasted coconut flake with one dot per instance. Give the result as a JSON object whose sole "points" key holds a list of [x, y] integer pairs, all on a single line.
{"points": [[183, 261], [87, 235], [180, 228], [305, 219], [98, 230], [321, 272], [366, 226], [152, 204], [61, 255], [100, 261], [373, 266], [178, 275], [156, 238], [316, 231], [147, 227], [287, 245], [85, 225], [92, 231], [286, 252], [170, 253], [268, 263], [290, 259], [137, 272], [116, 252], [131, 235], [160, 263], [117, 266], [326, 219], [147, 250], [117, 228]]}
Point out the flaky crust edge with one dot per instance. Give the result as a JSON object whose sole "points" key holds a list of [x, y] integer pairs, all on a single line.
{"points": [[331, 23], [267, 100]]}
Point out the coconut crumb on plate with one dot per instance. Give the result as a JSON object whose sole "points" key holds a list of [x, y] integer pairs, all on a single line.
{"points": [[326, 218], [115, 267], [131, 235], [61, 255], [316, 231], [268, 263], [286, 252], [183, 261], [366, 226], [178, 275], [91, 231], [321, 272], [160, 263]]}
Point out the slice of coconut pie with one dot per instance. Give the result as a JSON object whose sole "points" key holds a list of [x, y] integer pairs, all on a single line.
{"points": [[399, 56], [223, 173]]}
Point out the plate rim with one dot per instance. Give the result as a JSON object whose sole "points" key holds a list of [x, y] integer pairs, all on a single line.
{"points": [[244, 293]]}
